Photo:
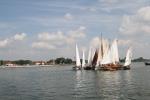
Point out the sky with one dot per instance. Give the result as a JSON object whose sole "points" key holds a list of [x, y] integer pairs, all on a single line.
{"points": [[47, 29]]}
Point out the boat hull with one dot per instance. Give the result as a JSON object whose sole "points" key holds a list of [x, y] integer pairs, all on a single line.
{"points": [[126, 68], [147, 63], [76, 68], [88, 68], [111, 67]]}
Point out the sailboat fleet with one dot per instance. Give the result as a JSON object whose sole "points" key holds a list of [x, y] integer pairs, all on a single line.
{"points": [[105, 57]]}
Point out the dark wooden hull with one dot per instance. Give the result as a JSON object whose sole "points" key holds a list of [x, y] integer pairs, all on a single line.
{"points": [[108, 67], [126, 68], [89, 68], [111, 67], [147, 63], [76, 68]]}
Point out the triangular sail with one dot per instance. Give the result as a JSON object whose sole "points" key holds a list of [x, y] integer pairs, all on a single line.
{"points": [[100, 53], [83, 59], [107, 59], [89, 57], [92, 54], [99, 57], [78, 63], [128, 57], [105, 46], [115, 54], [111, 53], [94, 61]]}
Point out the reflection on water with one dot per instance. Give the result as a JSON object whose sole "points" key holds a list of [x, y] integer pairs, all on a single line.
{"points": [[61, 83], [104, 85]]}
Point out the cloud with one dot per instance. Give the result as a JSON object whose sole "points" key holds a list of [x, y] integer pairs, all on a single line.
{"points": [[137, 23], [42, 45], [108, 1], [78, 33], [125, 42], [94, 43], [55, 40], [68, 16], [4, 43], [51, 36], [20, 36], [10, 40], [92, 9], [144, 13]]}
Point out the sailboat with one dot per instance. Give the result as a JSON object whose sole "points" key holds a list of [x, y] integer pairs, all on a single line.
{"points": [[94, 61], [110, 59], [105, 57], [100, 55], [78, 63], [90, 57], [128, 59]]}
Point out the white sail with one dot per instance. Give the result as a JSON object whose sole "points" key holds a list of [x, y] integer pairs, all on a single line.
{"points": [[92, 54], [89, 57], [99, 57], [128, 57], [83, 59], [107, 59], [115, 54], [100, 51], [78, 63], [105, 46]]}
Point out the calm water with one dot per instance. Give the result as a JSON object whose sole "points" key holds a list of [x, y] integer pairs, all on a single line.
{"points": [[61, 83]]}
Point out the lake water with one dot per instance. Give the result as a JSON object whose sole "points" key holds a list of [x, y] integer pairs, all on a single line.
{"points": [[62, 83]]}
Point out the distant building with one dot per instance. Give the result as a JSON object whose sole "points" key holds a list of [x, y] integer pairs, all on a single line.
{"points": [[8, 63], [51, 62], [39, 63]]}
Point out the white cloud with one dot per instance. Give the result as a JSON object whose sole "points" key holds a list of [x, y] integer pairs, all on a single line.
{"points": [[138, 23], [10, 40], [125, 42], [43, 45], [78, 33], [109, 1], [20, 36], [4, 43], [94, 43], [57, 39], [144, 13], [92, 9], [68, 16], [51, 36]]}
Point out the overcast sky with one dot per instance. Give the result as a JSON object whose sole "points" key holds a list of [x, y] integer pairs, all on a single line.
{"points": [[45, 29]]}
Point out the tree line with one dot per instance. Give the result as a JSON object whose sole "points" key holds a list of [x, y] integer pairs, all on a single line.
{"points": [[60, 60]]}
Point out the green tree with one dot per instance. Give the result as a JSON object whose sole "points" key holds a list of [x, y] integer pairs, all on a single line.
{"points": [[60, 60], [1, 62], [68, 61], [22, 62]]}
